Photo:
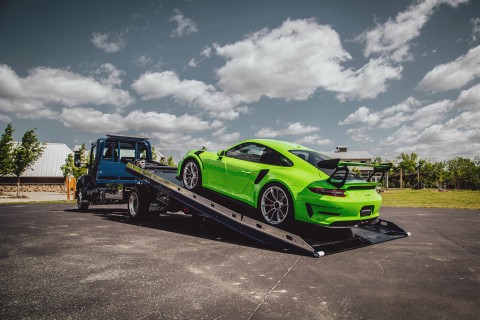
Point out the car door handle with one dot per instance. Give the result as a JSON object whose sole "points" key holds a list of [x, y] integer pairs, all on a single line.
{"points": [[246, 172]]}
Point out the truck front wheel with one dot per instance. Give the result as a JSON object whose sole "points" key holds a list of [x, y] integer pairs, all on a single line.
{"points": [[82, 204], [138, 203]]}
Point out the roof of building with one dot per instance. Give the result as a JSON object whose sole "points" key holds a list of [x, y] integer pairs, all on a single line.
{"points": [[48, 165], [350, 155]]}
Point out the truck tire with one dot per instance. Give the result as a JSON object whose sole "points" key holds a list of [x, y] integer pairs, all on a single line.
{"points": [[138, 203], [82, 205]]}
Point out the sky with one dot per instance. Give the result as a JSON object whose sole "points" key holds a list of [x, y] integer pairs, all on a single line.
{"points": [[387, 77]]}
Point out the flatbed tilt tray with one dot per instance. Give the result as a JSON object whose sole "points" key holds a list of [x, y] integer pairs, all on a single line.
{"points": [[316, 241]]}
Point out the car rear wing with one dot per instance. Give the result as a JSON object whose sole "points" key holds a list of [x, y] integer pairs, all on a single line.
{"points": [[340, 174]]}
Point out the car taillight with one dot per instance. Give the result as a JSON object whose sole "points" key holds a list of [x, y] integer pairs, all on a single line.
{"points": [[329, 192]]}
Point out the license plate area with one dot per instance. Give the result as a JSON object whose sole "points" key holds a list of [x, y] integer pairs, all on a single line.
{"points": [[366, 211]]}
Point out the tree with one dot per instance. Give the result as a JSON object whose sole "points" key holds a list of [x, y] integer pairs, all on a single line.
{"points": [[6, 151], [69, 168], [461, 174], [170, 161], [408, 166], [432, 173], [154, 154], [25, 155]]}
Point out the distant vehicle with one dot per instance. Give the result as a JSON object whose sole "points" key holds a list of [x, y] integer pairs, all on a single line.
{"points": [[286, 182]]}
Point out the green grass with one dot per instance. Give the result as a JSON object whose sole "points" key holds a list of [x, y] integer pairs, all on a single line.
{"points": [[432, 198]]}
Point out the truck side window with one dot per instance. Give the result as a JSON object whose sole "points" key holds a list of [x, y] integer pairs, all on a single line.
{"points": [[93, 154], [110, 153]]}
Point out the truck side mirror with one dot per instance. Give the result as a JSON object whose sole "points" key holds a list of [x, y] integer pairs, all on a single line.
{"points": [[76, 160], [221, 154]]}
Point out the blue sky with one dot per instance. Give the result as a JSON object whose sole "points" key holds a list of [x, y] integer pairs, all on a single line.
{"points": [[382, 76]]}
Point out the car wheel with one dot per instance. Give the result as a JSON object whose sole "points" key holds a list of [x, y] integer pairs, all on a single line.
{"points": [[276, 205], [138, 204], [82, 204], [192, 177]]}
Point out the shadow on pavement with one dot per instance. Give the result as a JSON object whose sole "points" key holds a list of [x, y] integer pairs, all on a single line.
{"points": [[181, 224]]}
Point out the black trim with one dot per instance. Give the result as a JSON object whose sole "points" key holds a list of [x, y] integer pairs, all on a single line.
{"points": [[385, 167], [261, 175], [309, 209], [197, 153], [328, 164], [342, 174], [361, 187]]}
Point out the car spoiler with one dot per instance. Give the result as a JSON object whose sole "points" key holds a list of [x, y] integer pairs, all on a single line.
{"points": [[341, 171]]}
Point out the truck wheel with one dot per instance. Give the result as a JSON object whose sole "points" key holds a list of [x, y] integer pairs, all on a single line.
{"points": [[192, 177], [82, 204], [138, 203]]}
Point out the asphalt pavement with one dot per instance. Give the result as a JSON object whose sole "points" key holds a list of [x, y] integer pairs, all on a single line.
{"points": [[57, 263]]}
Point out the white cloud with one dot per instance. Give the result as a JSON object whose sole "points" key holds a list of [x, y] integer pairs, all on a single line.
{"points": [[296, 128], [387, 118], [267, 133], [156, 85], [440, 130], [293, 61], [299, 128], [226, 137], [392, 39], [145, 61], [314, 140], [5, 118], [469, 99], [453, 75], [359, 134], [91, 120], [475, 28], [35, 95], [184, 25], [192, 63], [104, 42]]}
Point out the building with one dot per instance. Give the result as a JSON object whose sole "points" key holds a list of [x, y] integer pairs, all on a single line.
{"points": [[46, 169], [342, 153]]}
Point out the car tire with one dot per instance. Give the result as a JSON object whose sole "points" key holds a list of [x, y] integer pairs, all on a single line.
{"points": [[276, 205], [138, 203], [191, 175], [82, 204]]}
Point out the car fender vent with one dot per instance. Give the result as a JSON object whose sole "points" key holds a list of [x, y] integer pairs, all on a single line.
{"points": [[260, 176]]}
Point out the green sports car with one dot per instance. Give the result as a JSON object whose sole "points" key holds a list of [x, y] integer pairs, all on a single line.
{"points": [[285, 182]]}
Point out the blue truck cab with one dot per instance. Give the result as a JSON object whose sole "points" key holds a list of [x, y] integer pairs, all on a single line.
{"points": [[107, 181]]}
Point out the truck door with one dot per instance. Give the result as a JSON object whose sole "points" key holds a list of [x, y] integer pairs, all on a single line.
{"points": [[93, 164], [110, 168]]}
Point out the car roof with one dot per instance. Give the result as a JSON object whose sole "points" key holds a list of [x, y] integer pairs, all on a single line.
{"points": [[277, 144]]}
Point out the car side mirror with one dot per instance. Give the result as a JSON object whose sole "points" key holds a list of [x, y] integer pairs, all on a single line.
{"points": [[76, 160], [221, 154]]}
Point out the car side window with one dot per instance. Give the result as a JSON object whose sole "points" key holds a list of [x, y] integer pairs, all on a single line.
{"points": [[275, 158], [246, 151]]}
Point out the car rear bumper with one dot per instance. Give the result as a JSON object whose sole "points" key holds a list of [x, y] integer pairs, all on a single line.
{"points": [[329, 211]]}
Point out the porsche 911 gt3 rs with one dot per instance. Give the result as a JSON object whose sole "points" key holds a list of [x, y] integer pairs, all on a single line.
{"points": [[284, 182]]}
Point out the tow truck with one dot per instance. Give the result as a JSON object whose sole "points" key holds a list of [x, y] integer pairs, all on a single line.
{"points": [[121, 170]]}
